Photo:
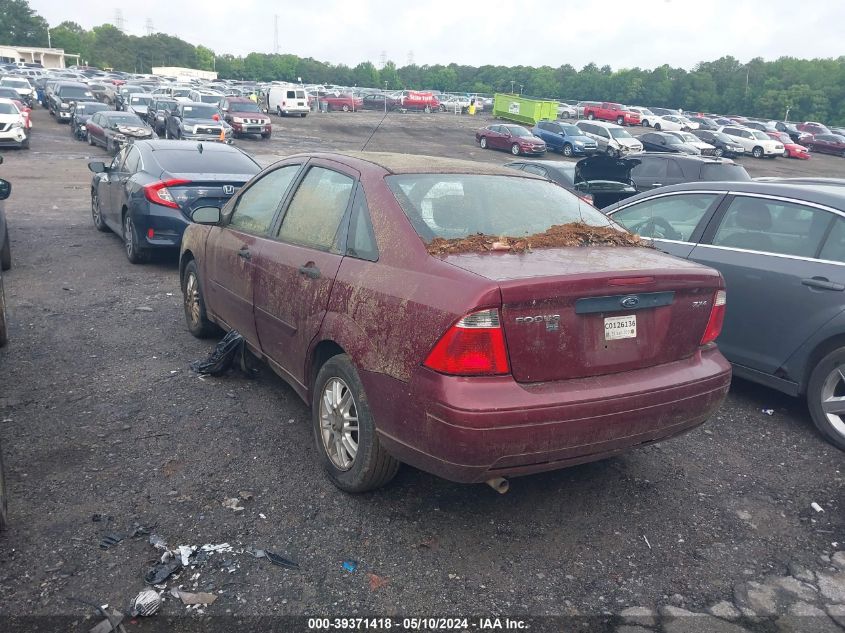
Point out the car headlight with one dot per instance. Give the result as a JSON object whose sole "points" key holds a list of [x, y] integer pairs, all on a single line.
{"points": [[17, 124], [190, 129], [64, 106], [578, 144]]}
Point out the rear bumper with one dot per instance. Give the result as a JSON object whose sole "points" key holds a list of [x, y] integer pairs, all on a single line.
{"points": [[469, 430], [167, 225]]}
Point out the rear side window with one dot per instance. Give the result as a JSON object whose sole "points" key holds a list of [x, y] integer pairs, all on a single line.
{"points": [[724, 171], [650, 168], [361, 241], [667, 217], [772, 226], [291, 94], [458, 205], [258, 205], [834, 247], [319, 204]]}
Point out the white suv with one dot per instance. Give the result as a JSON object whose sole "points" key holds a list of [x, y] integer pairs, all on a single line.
{"points": [[757, 143], [611, 139]]}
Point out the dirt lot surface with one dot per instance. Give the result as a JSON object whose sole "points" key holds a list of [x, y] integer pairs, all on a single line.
{"points": [[102, 419]]}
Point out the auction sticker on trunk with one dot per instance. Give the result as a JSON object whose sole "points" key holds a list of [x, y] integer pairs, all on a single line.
{"points": [[620, 327]]}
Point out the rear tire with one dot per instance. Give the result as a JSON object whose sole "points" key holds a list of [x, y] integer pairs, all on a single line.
{"points": [[133, 251], [657, 127], [196, 316], [646, 123], [4, 332], [826, 382], [358, 462], [345, 108], [88, 137], [6, 253]]}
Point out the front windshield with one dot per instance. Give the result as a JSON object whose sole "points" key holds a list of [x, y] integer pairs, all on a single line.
{"points": [[14, 83], [724, 138], [74, 92], [9, 93], [181, 93], [210, 98], [760, 135], [673, 140], [124, 119], [689, 138], [619, 133], [198, 112], [459, 205], [164, 105], [244, 107], [518, 131], [8, 108], [571, 130], [140, 101]]}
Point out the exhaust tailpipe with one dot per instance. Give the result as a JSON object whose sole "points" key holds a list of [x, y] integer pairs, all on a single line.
{"points": [[499, 484]]}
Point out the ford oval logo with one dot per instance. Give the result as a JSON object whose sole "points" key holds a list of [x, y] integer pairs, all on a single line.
{"points": [[630, 302]]}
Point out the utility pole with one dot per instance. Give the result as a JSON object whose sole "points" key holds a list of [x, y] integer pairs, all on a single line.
{"points": [[49, 42], [512, 83], [276, 34], [410, 58], [149, 26], [746, 82], [382, 58]]}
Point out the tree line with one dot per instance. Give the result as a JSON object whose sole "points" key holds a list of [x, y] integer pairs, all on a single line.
{"points": [[802, 89]]}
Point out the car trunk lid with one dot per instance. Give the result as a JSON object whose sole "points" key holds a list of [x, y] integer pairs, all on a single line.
{"points": [[204, 190], [580, 312]]}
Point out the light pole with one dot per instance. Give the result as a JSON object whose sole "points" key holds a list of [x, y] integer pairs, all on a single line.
{"points": [[521, 86], [512, 83]]}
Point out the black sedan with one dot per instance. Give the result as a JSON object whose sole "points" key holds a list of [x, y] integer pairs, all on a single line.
{"points": [[157, 113], [147, 193], [114, 130], [663, 142], [724, 144], [80, 112]]}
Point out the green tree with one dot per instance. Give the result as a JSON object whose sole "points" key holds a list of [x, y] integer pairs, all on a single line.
{"points": [[20, 25]]}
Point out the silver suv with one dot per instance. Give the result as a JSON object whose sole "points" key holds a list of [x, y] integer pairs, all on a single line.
{"points": [[611, 139]]}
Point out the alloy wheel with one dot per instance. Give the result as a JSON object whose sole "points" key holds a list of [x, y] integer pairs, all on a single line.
{"points": [[833, 399], [339, 423], [192, 298], [129, 237]]}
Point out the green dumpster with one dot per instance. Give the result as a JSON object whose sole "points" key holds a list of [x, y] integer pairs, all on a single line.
{"points": [[522, 110]]}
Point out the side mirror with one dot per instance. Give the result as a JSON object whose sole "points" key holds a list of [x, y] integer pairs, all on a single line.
{"points": [[5, 189], [206, 215], [98, 167]]}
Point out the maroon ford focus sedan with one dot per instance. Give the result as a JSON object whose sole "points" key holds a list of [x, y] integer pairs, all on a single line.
{"points": [[470, 320]]}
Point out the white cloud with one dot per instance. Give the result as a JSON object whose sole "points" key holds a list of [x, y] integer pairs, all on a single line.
{"points": [[623, 34]]}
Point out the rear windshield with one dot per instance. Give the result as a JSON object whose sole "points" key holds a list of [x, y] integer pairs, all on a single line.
{"points": [[724, 171], [125, 119], [140, 100], [15, 83], [453, 206], [190, 161]]}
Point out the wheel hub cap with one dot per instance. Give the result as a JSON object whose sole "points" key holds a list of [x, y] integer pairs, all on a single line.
{"points": [[339, 424], [833, 399]]}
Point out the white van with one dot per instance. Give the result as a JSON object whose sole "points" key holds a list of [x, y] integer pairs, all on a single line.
{"points": [[287, 100]]}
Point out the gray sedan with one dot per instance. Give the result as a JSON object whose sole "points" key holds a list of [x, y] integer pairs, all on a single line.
{"points": [[781, 247]]}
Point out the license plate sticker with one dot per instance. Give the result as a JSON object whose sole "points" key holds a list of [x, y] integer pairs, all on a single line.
{"points": [[620, 327]]}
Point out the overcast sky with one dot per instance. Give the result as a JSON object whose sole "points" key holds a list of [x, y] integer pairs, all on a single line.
{"points": [[623, 34]]}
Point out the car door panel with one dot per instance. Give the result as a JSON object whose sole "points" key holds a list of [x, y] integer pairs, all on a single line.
{"points": [[776, 301], [296, 272]]}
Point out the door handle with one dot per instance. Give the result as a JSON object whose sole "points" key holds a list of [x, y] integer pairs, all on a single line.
{"points": [[657, 184], [244, 253], [822, 283], [310, 270]]}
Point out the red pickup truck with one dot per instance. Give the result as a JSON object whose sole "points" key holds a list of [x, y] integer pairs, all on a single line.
{"points": [[615, 112]]}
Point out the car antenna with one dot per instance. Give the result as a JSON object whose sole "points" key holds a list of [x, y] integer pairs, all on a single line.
{"points": [[199, 147], [375, 129]]}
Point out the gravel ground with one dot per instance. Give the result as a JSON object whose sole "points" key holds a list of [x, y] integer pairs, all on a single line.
{"points": [[101, 418]]}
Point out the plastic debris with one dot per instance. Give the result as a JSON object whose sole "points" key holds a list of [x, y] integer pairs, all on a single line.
{"points": [[233, 504], [193, 598], [185, 552], [281, 561], [230, 348], [350, 565], [162, 571], [109, 540], [245, 495], [201, 558], [815, 506], [262, 515], [158, 542], [221, 547], [146, 603], [768, 411], [97, 517], [258, 553], [376, 582]]}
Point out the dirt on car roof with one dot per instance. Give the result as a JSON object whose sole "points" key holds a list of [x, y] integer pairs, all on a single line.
{"points": [[557, 236]]}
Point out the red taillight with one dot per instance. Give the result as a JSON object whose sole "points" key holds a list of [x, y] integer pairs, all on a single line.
{"points": [[717, 317], [157, 192], [474, 346]]}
